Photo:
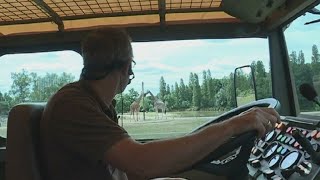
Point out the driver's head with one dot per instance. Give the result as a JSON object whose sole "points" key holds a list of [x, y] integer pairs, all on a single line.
{"points": [[106, 50]]}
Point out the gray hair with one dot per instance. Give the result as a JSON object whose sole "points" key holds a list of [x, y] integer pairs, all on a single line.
{"points": [[106, 46]]}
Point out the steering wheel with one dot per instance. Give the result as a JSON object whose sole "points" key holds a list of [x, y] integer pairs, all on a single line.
{"points": [[231, 157]]}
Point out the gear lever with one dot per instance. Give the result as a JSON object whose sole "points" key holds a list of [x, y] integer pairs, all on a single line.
{"points": [[305, 143]]}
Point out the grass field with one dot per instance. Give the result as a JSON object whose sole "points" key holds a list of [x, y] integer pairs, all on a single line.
{"points": [[173, 124], [245, 99]]}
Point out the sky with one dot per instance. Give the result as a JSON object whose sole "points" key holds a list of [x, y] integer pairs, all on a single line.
{"points": [[171, 59]]}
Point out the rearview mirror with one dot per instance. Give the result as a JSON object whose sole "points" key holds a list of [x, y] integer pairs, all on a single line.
{"points": [[244, 85]]}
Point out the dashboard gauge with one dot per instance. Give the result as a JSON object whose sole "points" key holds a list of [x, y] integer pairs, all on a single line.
{"points": [[270, 150], [274, 161], [290, 160], [270, 136]]}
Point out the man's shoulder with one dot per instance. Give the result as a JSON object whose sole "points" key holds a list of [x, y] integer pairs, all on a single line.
{"points": [[72, 92], [70, 89]]}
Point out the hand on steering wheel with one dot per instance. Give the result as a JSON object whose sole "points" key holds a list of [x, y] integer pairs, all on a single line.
{"points": [[263, 119], [219, 162]]}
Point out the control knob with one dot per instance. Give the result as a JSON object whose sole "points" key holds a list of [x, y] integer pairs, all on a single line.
{"points": [[269, 173]]}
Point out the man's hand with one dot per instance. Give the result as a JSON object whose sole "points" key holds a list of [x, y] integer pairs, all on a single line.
{"points": [[261, 119]]}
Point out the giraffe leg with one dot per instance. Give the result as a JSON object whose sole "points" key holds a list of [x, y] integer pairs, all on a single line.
{"points": [[138, 115]]}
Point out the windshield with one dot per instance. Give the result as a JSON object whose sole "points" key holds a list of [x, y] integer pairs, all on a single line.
{"points": [[303, 43], [186, 83]]}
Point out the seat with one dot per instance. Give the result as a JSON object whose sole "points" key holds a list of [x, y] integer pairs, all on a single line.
{"points": [[22, 154]]}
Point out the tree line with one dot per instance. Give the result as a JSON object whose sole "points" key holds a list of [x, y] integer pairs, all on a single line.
{"points": [[306, 72], [211, 94], [31, 87]]}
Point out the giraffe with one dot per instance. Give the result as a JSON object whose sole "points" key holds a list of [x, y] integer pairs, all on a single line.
{"points": [[157, 104], [135, 106]]}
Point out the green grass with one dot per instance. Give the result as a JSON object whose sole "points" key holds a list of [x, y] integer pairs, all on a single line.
{"points": [[170, 125], [195, 113], [241, 100], [173, 124]]}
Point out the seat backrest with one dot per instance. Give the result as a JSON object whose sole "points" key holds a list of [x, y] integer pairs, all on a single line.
{"points": [[22, 154]]}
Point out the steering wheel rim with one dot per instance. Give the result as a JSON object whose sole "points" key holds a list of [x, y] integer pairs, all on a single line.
{"points": [[241, 144]]}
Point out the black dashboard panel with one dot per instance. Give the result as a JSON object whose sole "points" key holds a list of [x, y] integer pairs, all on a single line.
{"points": [[280, 156]]}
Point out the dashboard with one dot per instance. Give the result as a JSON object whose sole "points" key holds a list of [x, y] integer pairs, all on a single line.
{"points": [[291, 151]]}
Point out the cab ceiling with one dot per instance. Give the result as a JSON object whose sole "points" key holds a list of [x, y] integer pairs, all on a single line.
{"points": [[41, 25]]}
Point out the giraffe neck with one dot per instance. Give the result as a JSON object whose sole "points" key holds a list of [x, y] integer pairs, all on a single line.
{"points": [[140, 97], [153, 97]]}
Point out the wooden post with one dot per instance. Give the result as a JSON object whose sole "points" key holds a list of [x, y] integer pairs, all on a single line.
{"points": [[144, 115], [121, 110]]}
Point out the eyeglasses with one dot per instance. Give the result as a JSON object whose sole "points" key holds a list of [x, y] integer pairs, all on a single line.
{"points": [[131, 77], [131, 74]]}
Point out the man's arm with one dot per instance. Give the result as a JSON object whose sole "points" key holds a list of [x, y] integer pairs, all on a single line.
{"points": [[161, 158]]}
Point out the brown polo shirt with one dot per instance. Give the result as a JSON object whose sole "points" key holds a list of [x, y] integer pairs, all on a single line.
{"points": [[77, 128]]}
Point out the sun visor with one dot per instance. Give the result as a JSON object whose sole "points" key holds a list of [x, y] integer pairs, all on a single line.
{"points": [[252, 11]]}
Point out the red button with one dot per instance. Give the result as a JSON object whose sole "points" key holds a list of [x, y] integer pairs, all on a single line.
{"points": [[292, 130], [314, 133], [317, 136], [304, 132], [289, 130]]}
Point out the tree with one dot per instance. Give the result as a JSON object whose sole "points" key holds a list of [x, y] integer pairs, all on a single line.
{"points": [[20, 88], [204, 90], [6, 103], [315, 64], [184, 93], [302, 73], [127, 99], [293, 57], [168, 89], [44, 87], [301, 59], [263, 81], [191, 86], [315, 54], [210, 89], [196, 98], [162, 87]]}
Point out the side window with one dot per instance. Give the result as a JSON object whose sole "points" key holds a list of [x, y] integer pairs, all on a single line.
{"points": [[34, 77], [302, 43]]}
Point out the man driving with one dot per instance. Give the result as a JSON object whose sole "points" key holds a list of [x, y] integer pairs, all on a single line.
{"points": [[81, 138]]}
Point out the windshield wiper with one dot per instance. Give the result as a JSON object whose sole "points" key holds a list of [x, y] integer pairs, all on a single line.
{"points": [[311, 22], [313, 11]]}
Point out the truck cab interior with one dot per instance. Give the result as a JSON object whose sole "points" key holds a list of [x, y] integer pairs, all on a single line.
{"points": [[213, 60]]}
